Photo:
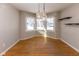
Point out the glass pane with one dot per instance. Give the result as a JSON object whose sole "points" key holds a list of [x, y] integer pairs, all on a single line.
{"points": [[29, 24], [50, 23], [40, 25]]}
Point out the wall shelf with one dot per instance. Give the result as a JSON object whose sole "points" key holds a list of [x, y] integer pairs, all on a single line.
{"points": [[72, 24], [65, 18]]}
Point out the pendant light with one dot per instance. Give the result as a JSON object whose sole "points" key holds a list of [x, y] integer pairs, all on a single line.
{"points": [[41, 14]]}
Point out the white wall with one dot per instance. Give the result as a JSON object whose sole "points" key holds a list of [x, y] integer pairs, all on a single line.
{"points": [[70, 33], [9, 26], [23, 32]]}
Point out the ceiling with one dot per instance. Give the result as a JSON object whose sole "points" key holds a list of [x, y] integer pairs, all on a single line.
{"points": [[33, 7]]}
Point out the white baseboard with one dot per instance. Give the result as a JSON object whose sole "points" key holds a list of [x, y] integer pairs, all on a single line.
{"points": [[38, 35], [9, 48], [52, 37], [27, 37], [49, 37], [70, 45]]}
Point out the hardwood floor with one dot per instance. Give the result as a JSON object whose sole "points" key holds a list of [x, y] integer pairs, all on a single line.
{"points": [[39, 46]]}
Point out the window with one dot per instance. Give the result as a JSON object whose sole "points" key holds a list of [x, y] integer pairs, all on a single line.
{"points": [[40, 25], [30, 24], [50, 23]]}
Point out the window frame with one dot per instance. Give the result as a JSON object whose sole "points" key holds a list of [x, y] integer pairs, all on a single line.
{"points": [[33, 26], [53, 22]]}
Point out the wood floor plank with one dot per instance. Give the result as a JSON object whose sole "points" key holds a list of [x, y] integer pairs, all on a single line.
{"points": [[40, 46]]}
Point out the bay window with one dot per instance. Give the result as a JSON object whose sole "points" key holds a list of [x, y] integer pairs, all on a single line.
{"points": [[47, 24]]}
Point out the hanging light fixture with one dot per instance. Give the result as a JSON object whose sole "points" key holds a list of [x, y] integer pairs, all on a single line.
{"points": [[41, 14], [38, 12], [44, 13]]}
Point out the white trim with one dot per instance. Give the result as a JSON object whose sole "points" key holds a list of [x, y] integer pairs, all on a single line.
{"points": [[9, 48], [70, 45], [53, 37], [38, 35], [49, 37], [27, 37]]}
